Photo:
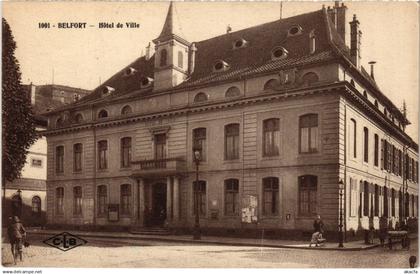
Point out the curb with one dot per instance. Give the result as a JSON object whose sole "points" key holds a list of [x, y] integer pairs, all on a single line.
{"points": [[216, 242]]}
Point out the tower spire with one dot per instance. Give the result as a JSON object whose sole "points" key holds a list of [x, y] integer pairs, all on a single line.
{"points": [[171, 27]]}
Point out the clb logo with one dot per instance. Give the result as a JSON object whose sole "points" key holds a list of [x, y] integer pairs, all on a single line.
{"points": [[65, 241]]}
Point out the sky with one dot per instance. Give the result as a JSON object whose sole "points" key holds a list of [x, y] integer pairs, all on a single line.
{"points": [[86, 57]]}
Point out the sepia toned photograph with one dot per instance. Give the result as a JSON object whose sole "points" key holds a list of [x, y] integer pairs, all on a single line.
{"points": [[210, 135]]}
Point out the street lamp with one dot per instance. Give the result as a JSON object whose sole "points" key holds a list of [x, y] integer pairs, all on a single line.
{"points": [[340, 206], [197, 159]]}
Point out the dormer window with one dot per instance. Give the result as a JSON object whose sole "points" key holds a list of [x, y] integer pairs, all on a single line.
{"points": [[130, 71], [59, 122], [103, 114], [146, 82], [240, 43], [200, 97], [312, 42], [294, 30], [279, 53], [126, 110], [78, 118], [107, 90], [232, 92], [220, 65]]}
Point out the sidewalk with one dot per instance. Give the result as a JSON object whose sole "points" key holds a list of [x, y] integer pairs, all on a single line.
{"points": [[350, 246]]}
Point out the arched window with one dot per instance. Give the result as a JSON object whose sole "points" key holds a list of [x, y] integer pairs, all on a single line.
{"points": [[308, 133], [308, 186], [126, 110], [231, 197], [59, 200], [125, 199], [366, 144], [77, 200], [200, 97], [180, 59], [163, 57], [310, 78], [271, 84], [232, 141], [199, 140], [36, 205], [78, 118], [232, 92], [270, 196], [271, 137], [102, 114], [125, 152]]}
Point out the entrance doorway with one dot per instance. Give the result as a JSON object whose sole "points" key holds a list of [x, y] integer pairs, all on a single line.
{"points": [[158, 214]]}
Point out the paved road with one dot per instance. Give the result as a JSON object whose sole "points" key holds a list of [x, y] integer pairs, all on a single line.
{"points": [[129, 253]]}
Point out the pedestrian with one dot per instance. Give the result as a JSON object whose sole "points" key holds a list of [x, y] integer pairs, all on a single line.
{"points": [[383, 229], [317, 236], [17, 233]]}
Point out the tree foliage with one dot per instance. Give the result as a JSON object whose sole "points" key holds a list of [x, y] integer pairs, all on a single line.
{"points": [[18, 127]]}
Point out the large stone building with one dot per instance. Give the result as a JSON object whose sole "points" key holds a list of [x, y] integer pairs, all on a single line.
{"points": [[283, 113], [26, 196]]}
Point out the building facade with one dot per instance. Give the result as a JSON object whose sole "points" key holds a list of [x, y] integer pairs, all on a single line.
{"points": [[26, 196], [282, 113]]}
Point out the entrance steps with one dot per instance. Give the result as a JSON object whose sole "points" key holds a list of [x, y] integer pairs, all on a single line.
{"points": [[156, 231]]}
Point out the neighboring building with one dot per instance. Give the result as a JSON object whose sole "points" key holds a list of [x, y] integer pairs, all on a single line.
{"points": [[282, 111], [26, 196]]}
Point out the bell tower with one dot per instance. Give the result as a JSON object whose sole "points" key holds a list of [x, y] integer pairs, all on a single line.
{"points": [[171, 55]]}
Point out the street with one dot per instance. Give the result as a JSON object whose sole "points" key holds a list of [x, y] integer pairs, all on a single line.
{"points": [[133, 253]]}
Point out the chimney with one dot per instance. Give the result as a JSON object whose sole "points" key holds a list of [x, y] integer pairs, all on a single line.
{"points": [[355, 41], [372, 64], [32, 92], [149, 51], [193, 49], [340, 19], [332, 12]]}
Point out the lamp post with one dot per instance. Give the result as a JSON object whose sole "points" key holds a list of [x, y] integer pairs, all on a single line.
{"points": [[197, 159], [340, 206]]}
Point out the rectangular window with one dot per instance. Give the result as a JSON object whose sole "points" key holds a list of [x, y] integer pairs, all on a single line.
{"points": [[232, 142], [366, 145], [386, 202], [102, 200], [59, 159], [77, 157], [376, 197], [353, 138], [353, 197], [77, 200], [200, 197], [36, 162], [382, 154], [102, 154], [160, 146], [412, 168], [271, 196], [59, 196], [231, 197], [308, 133], [271, 137], [392, 202], [385, 155], [307, 195], [366, 194], [199, 139], [126, 152], [376, 155], [125, 199]]}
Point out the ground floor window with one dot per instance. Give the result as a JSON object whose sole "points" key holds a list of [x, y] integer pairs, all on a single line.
{"points": [[271, 196], [59, 195], [36, 205], [199, 197], [125, 199], [77, 200], [102, 200], [231, 197], [308, 185]]}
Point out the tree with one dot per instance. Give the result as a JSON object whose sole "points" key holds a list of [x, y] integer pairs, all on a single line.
{"points": [[18, 127]]}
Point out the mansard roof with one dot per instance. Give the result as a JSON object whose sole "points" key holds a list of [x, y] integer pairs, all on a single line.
{"points": [[253, 59]]}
